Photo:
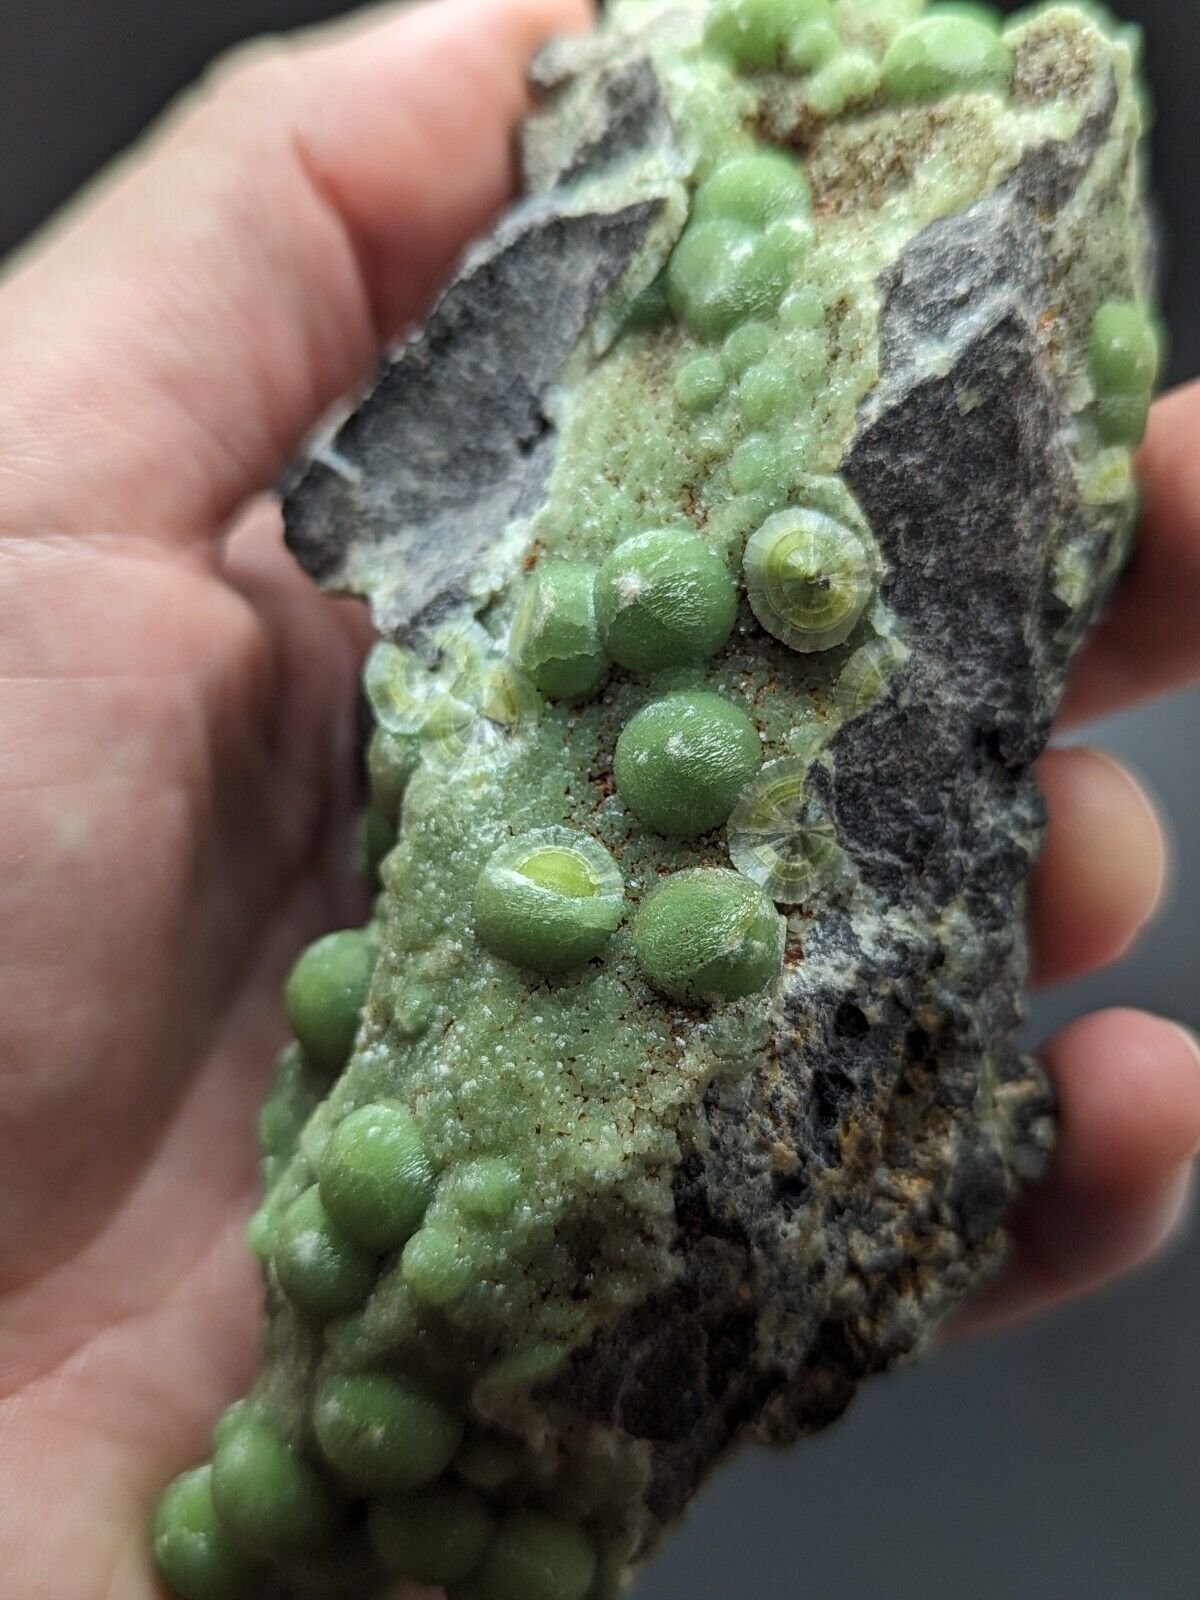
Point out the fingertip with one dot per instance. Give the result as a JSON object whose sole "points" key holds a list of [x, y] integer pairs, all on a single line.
{"points": [[1129, 1093], [1103, 868]]}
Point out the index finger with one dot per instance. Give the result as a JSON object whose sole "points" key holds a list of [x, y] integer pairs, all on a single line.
{"points": [[1150, 641]]}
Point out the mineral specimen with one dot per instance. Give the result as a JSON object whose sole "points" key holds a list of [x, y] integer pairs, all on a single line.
{"points": [[729, 528]]}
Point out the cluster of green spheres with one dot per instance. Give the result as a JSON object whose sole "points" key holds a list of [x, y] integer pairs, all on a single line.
{"points": [[947, 53], [1124, 361], [761, 34], [748, 227]]}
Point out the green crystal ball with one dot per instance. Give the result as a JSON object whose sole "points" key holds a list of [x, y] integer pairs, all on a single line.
{"points": [[682, 762], [709, 935], [664, 599]]}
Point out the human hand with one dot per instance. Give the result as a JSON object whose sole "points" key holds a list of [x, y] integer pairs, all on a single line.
{"points": [[177, 749]]}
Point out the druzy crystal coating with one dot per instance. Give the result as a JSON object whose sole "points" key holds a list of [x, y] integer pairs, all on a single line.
{"points": [[728, 529]]}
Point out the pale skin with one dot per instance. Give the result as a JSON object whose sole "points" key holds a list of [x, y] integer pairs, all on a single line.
{"points": [[177, 751]]}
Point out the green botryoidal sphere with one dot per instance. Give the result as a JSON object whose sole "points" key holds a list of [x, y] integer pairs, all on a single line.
{"points": [[946, 54], [533, 1557], [809, 577], [755, 189], [708, 935], [682, 761], [195, 1557], [723, 272], [436, 1266], [555, 635], [325, 993], [757, 34], [269, 1499], [437, 1536], [549, 900], [319, 1267], [664, 599], [383, 1434], [375, 1176], [392, 759], [1124, 361]]}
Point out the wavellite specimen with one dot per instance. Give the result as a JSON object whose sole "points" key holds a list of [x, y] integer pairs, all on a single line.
{"points": [[728, 530]]}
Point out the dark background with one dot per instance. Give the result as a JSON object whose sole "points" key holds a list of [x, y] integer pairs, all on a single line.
{"points": [[1056, 1463]]}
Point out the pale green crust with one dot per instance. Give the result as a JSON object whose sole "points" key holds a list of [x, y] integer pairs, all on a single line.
{"points": [[541, 1106]]}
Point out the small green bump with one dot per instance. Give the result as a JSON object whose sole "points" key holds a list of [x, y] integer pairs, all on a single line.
{"points": [[383, 1434], [437, 1267], [533, 1557], [555, 637], [325, 993], [486, 1463], [232, 1418], [699, 383], [744, 346], [781, 837], [722, 273], [195, 1558], [319, 1267], [809, 577], [549, 900], [665, 599], [379, 837], [942, 55], [755, 189], [268, 1498], [848, 79], [436, 1537], [767, 394], [1124, 360], [392, 759], [375, 1176], [708, 935], [803, 308], [756, 464], [488, 1188], [682, 761], [811, 44]]}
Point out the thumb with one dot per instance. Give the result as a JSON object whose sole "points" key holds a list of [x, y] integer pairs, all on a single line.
{"points": [[170, 342]]}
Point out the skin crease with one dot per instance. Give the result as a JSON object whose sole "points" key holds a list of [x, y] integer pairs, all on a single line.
{"points": [[176, 745]]}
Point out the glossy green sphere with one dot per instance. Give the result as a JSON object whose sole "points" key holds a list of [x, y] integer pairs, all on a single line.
{"points": [[384, 1434], [665, 599], [682, 761], [436, 1266], [268, 1498], [437, 1536], [533, 1557], [755, 189], [319, 1267], [723, 272], [549, 900], [700, 383], [195, 1557], [555, 637], [708, 935], [375, 1176], [325, 993], [942, 55], [1124, 361]]}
